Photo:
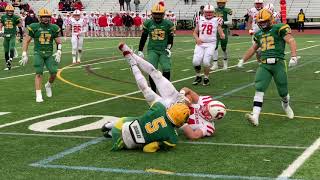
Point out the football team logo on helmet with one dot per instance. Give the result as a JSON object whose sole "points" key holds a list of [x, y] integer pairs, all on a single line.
{"points": [[9, 10], [213, 110], [178, 114], [158, 12], [208, 11], [45, 15]]}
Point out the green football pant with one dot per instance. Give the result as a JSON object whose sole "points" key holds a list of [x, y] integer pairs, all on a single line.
{"points": [[9, 43], [159, 57], [278, 72], [117, 142], [45, 59], [223, 42]]}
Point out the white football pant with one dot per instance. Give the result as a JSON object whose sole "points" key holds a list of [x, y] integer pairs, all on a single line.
{"points": [[203, 54]]}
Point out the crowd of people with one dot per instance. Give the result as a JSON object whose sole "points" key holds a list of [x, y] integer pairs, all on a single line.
{"points": [[70, 5]]}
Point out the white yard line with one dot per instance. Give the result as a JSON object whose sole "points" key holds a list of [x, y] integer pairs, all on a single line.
{"points": [[293, 167], [115, 97], [182, 142]]}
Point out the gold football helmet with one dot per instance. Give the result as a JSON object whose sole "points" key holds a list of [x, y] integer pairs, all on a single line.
{"points": [[178, 114], [264, 19]]}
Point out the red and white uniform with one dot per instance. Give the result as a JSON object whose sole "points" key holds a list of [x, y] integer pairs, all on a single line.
{"points": [[144, 18], [253, 12], [110, 23], [67, 21], [91, 21], [277, 17], [86, 21], [196, 120], [173, 19], [208, 35], [77, 31]]}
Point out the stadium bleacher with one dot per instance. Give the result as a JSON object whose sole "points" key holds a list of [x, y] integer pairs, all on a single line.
{"points": [[187, 11]]}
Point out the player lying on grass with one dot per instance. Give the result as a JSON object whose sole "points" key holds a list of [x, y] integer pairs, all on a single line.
{"points": [[271, 39], [155, 129], [203, 109]]}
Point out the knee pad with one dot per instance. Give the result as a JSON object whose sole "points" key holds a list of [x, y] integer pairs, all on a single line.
{"points": [[197, 68]]}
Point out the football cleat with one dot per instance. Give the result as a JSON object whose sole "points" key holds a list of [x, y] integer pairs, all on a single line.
{"points": [[214, 65], [9, 62], [39, 99], [225, 64], [288, 110], [251, 119], [197, 80], [106, 129], [48, 89], [206, 82]]}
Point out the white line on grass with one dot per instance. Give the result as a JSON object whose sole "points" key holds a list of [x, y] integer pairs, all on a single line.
{"points": [[182, 142], [293, 167], [115, 97]]}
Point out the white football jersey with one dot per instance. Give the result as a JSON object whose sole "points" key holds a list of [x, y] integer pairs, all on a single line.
{"points": [[173, 19], [91, 20], [110, 23], [253, 12], [85, 19], [277, 17], [77, 26], [196, 121], [208, 29], [67, 21]]}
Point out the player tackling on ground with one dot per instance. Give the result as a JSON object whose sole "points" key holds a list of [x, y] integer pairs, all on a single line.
{"points": [[203, 109], [271, 39]]}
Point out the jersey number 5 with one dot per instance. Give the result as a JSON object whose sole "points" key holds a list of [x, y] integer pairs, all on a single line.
{"points": [[208, 28], [153, 126], [267, 43]]}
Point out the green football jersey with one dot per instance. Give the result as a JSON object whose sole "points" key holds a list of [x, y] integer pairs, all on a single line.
{"points": [[271, 42], [223, 13], [156, 126], [10, 24], [158, 33], [43, 36]]}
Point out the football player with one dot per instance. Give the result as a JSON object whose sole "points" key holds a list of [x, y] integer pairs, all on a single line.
{"points": [[205, 35], [252, 24], [85, 18], [43, 34], [10, 22], [203, 109], [92, 19], [161, 33], [226, 14], [276, 15], [271, 39], [155, 129], [77, 28]]}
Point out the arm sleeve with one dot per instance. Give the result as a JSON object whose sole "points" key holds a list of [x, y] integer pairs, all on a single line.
{"points": [[143, 39], [30, 31]]}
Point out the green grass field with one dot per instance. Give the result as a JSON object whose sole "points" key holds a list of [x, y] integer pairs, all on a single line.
{"points": [[103, 86]]}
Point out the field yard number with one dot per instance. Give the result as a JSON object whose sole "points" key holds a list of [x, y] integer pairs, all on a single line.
{"points": [[44, 126]]}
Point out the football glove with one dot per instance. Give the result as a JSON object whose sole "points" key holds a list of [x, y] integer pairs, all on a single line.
{"points": [[140, 53], [151, 147], [251, 32], [57, 56], [24, 58], [169, 52], [207, 128], [293, 61], [240, 63]]}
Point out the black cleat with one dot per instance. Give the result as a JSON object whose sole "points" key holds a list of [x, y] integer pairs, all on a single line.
{"points": [[106, 129], [197, 80], [9, 62], [206, 82]]}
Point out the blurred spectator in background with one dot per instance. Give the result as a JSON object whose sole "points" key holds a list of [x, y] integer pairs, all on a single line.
{"points": [[31, 18], [78, 5], [128, 5], [54, 18], [60, 6], [59, 22], [117, 21], [128, 22], [3, 5], [301, 19], [103, 24], [121, 2], [137, 21], [136, 3]]}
